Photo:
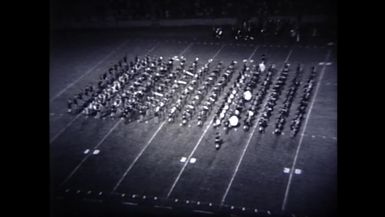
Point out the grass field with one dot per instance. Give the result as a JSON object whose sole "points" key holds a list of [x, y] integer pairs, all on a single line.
{"points": [[139, 164]]}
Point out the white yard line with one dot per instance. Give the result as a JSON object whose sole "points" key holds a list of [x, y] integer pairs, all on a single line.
{"points": [[197, 144], [63, 129], [252, 54], [188, 158], [97, 145], [88, 155], [203, 211], [288, 56], [137, 158], [88, 71], [77, 116], [247, 145], [216, 54], [302, 136], [188, 47], [147, 144]]}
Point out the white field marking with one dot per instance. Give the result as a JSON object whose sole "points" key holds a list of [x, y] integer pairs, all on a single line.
{"points": [[87, 156], [252, 54], [109, 132], [288, 56], [63, 129], [301, 139], [286, 170], [189, 157], [129, 203], [88, 71], [77, 116], [183, 159], [298, 171], [193, 160], [202, 211], [238, 164], [247, 144], [137, 157], [184, 50], [153, 136], [216, 54], [147, 144]]}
